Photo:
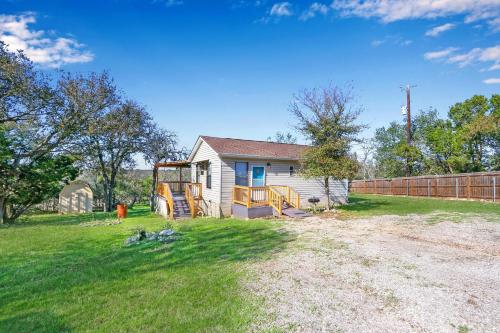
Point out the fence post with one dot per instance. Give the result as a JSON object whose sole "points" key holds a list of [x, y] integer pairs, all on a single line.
{"points": [[428, 187], [407, 186], [494, 188], [456, 187], [468, 187]]}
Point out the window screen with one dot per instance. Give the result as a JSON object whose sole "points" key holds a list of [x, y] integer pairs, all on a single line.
{"points": [[241, 173]]}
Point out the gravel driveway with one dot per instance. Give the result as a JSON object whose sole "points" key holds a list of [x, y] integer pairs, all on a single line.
{"points": [[430, 273]]}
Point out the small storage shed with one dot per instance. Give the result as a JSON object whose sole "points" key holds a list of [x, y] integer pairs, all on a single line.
{"points": [[76, 197]]}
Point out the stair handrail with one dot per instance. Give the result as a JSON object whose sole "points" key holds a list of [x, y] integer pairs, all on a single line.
{"points": [[190, 200], [291, 196], [165, 191], [275, 199]]}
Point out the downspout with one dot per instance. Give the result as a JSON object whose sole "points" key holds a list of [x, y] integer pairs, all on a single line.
{"points": [[220, 187]]}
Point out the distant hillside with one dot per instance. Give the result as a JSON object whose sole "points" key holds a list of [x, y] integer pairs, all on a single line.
{"points": [[163, 174]]}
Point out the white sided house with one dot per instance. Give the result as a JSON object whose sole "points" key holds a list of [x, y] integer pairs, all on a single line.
{"points": [[244, 178]]}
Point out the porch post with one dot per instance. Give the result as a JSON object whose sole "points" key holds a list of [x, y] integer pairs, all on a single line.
{"points": [[180, 179], [249, 198]]}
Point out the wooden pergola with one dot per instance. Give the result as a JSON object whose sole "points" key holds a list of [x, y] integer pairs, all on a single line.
{"points": [[177, 186]]}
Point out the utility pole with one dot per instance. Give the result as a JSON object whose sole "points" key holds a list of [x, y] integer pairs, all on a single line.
{"points": [[408, 117], [409, 139]]}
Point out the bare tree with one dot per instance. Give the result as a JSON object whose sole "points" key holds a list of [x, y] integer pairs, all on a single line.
{"points": [[367, 147], [283, 137], [160, 145]]}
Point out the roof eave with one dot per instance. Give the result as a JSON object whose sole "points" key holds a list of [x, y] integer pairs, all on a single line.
{"points": [[195, 149], [260, 157]]}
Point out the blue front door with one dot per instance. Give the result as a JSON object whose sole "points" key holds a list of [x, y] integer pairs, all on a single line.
{"points": [[258, 176]]}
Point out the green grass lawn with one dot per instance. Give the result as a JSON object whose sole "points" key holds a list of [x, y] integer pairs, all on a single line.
{"points": [[370, 204], [57, 276]]}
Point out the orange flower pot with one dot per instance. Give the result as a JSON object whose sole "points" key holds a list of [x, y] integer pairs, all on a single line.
{"points": [[121, 211]]}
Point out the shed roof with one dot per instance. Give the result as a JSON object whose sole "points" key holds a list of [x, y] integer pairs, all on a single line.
{"points": [[254, 149]]}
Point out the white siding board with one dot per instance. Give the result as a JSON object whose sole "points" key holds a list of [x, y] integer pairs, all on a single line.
{"points": [[211, 197]]}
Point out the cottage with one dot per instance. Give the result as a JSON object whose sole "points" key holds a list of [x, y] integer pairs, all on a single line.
{"points": [[244, 178], [76, 197]]}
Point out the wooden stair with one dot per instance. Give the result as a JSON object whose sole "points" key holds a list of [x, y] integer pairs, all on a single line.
{"points": [[295, 213], [181, 208]]}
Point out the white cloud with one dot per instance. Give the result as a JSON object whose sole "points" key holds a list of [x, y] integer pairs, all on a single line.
{"points": [[281, 9], [436, 31], [440, 54], [494, 67], [51, 52], [490, 54], [395, 10], [392, 39], [277, 11], [313, 10], [377, 42], [494, 24], [492, 81], [171, 3], [476, 55]]}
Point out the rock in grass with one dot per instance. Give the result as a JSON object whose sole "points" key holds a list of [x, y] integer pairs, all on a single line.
{"points": [[163, 236], [166, 232]]}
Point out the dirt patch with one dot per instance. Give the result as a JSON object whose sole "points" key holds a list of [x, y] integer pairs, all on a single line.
{"points": [[380, 274]]}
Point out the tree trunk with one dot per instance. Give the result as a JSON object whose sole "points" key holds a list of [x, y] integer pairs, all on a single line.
{"points": [[3, 204], [109, 200], [108, 197], [153, 189], [132, 203], [327, 191]]}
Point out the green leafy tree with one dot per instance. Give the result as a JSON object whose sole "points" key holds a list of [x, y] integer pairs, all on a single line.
{"points": [[132, 189], [114, 132], [36, 127], [467, 141], [476, 121], [387, 142], [328, 118], [24, 91]]}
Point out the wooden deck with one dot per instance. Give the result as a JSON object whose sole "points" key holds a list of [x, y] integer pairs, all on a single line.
{"points": [[275, 196]]}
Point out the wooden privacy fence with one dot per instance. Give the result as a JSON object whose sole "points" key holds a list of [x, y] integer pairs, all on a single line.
{"points": [[474, 186]]}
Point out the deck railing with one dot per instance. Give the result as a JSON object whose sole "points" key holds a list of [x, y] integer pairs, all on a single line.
{"points": [[176, 186], [165, 191], [273, 195], [250, 196]]}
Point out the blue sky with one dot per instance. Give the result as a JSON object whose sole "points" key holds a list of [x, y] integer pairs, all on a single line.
{"points": [[230, 68]]}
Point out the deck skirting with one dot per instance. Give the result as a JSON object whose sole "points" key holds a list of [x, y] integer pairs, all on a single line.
{"points": [[244, 212]]}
